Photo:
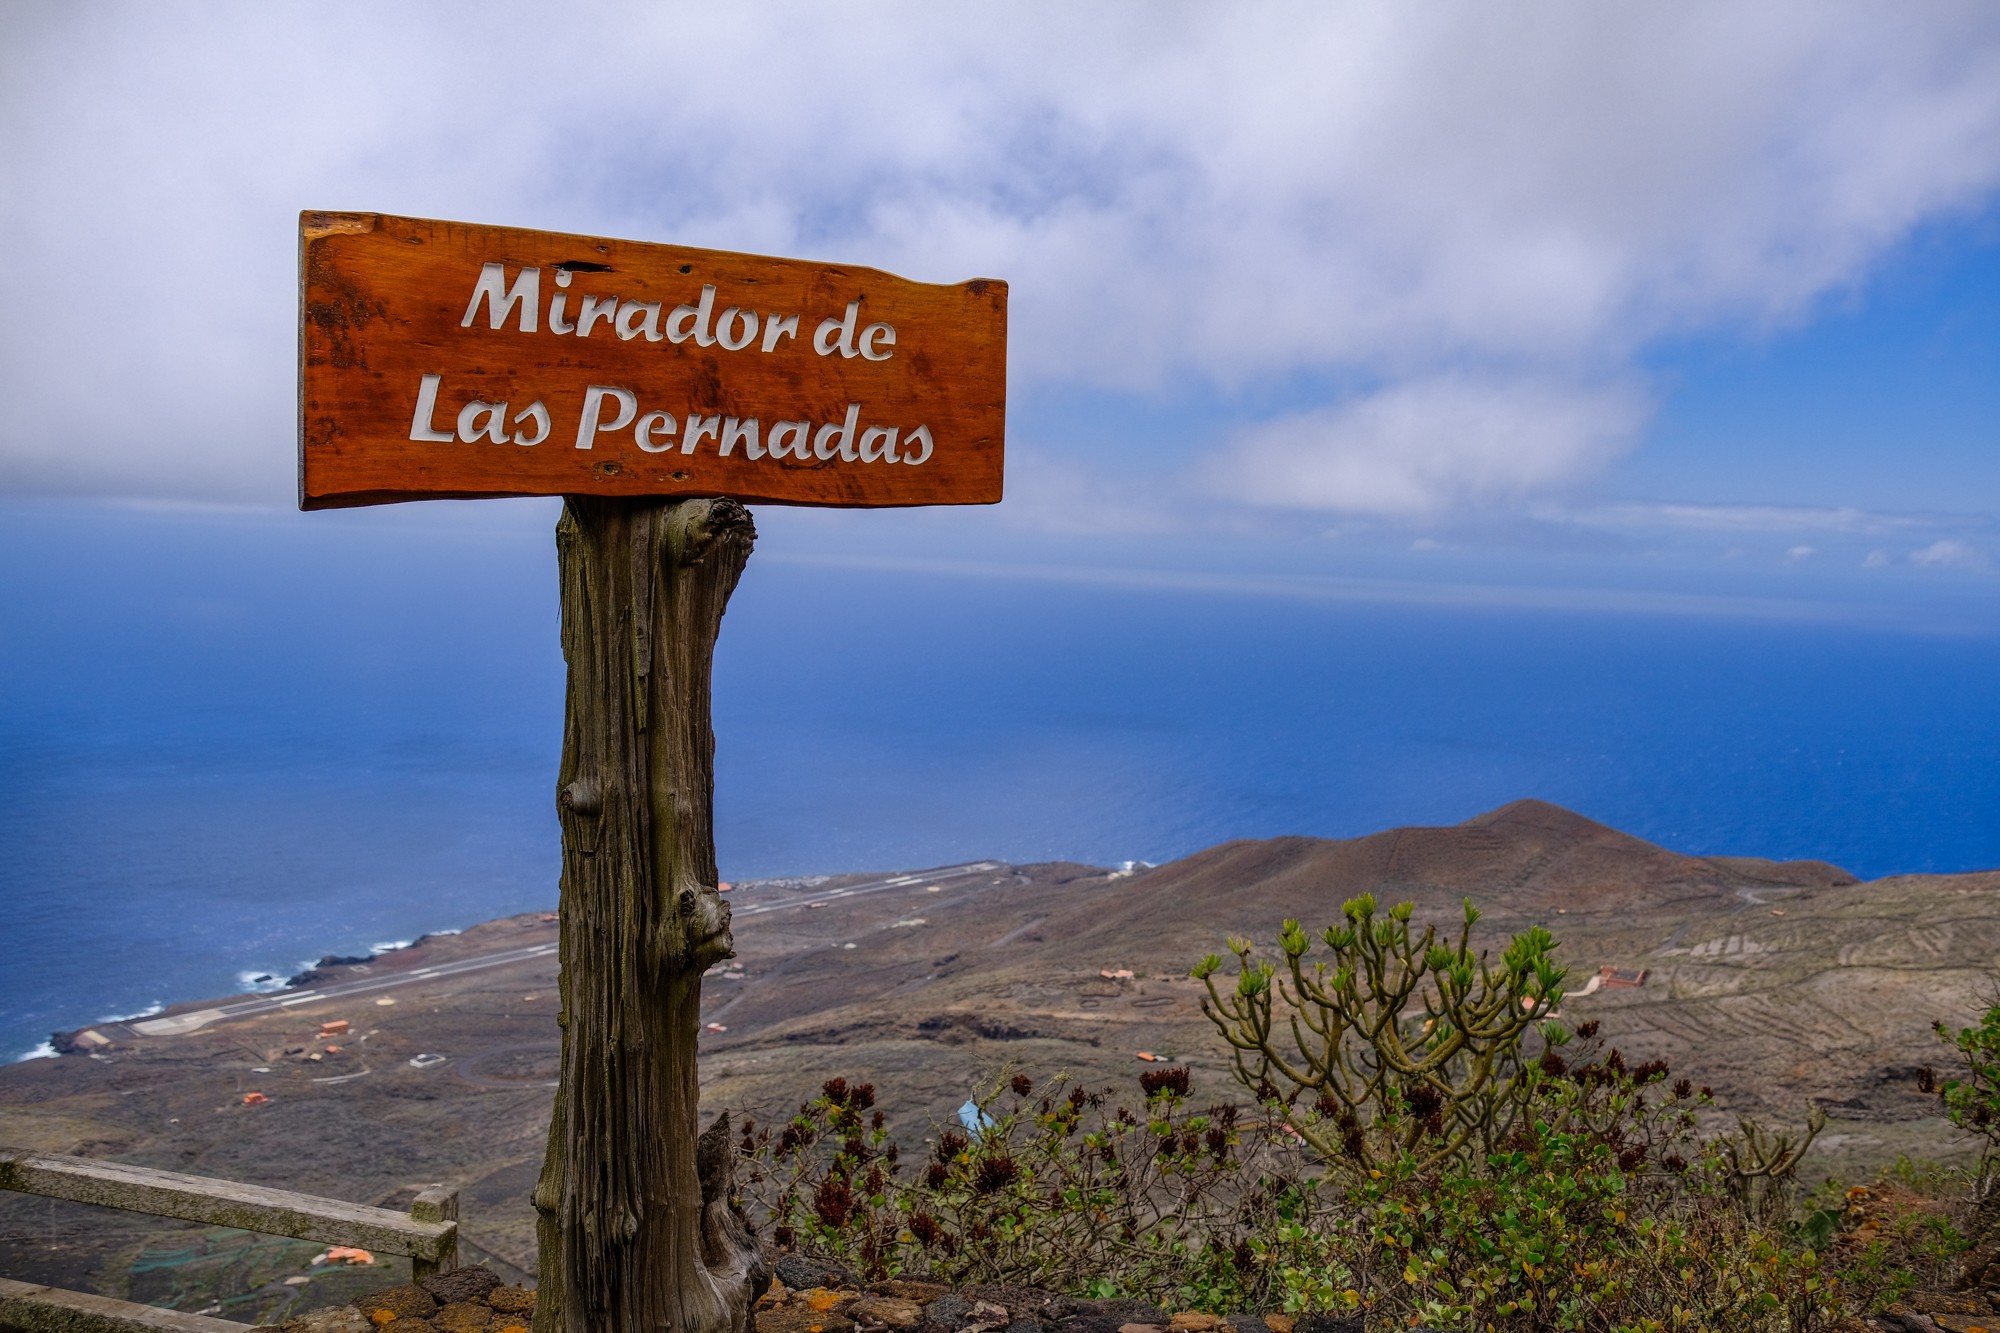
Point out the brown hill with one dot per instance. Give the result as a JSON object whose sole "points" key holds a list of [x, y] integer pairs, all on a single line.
{"points": [[1521, 862]]}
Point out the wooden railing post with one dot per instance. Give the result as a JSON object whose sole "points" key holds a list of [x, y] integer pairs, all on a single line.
{"points": [[436, 1204]]}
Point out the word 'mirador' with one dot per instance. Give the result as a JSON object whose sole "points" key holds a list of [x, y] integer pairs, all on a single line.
{"points": [[734, 329]]}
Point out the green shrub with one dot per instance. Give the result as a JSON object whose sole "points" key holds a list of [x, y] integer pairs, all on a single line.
{"points": [[1971, 1099], [1198, 1207], [1603, 1212], [1392, 1040], [1426, 1145]]}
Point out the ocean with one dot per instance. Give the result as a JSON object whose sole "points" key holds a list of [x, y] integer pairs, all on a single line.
{"points": [[231, 743]]}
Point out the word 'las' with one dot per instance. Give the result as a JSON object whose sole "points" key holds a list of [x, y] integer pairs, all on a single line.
{"points": [[733, 330], [654, 432]]}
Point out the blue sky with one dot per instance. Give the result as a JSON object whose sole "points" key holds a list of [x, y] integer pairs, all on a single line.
{"points": [[1699, 299]]}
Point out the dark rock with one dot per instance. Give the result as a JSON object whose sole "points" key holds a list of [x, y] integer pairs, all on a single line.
{"points": [[800, 1273], [460, 1284], [910, 1289], [398, 1302], [1126, 1310], [1327, 1323], [1025, 1326], [928, 1327], [1061, 1307], [1020, 1302], [462, 1317], [1973, 1265], [1088, 1323], [949, 1311], [512, 1300], [1891, 1321]]}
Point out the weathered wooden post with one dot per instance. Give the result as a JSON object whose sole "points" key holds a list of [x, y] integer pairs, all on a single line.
{"points": [[444, 360]]}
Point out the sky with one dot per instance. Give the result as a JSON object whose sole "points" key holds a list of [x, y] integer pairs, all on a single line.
{"points": [[1697, 300]]}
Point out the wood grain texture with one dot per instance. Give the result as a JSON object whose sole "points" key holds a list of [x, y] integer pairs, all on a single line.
{"points": [[637, 1230], [385, 302]]}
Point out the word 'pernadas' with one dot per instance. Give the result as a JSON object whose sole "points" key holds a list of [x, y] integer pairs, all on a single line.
{"points": [[622, 368]]}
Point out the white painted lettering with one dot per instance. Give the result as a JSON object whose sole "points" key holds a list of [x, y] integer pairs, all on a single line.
{"points": [[594, 309], [733, 342], [501, 299], [557, 324], [837, 334], [648, 321], [691, 321], [662, 422], [421, 428], [495, 427], [883, 446], [734, 431], [699, 428], [834, 439], [538, 414], [776, 328], [873, 334], [788, 439], [593, 409], [921, 435]]}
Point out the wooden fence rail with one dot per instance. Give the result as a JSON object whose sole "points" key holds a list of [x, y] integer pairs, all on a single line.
{"points": [[428, 1233]]}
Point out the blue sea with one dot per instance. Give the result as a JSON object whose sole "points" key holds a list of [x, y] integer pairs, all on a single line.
{"points": [[231, 742]]}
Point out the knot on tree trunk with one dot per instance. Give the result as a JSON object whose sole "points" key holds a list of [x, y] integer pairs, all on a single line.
{"points": [[697, 934], [696, 528], [729, 1248]]}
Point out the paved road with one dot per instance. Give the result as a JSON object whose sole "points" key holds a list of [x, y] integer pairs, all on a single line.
{"points": [[924, 878], [175, 1025]]}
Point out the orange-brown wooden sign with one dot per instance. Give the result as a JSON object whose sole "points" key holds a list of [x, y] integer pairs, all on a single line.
{"points": [[441, 359]]}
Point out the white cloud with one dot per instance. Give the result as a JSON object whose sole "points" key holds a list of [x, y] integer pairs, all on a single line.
{"points": [[1423, 443], [1471, 208], [1949, 553], [1743, 518]]}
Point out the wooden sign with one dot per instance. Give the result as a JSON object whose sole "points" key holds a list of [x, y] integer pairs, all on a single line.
{"points": [[439, 359]]}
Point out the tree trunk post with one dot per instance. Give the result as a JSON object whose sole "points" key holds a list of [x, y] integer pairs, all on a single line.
{"points": [[637, 1229]]}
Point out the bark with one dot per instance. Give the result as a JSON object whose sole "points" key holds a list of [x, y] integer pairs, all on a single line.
{"points": [[636, 1226]]}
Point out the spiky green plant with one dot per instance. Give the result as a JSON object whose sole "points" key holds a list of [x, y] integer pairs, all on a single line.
{"points": [[1395, 1041]]}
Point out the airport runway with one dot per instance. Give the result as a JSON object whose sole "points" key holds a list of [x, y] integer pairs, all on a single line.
{"points": [[174, 1025]]}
